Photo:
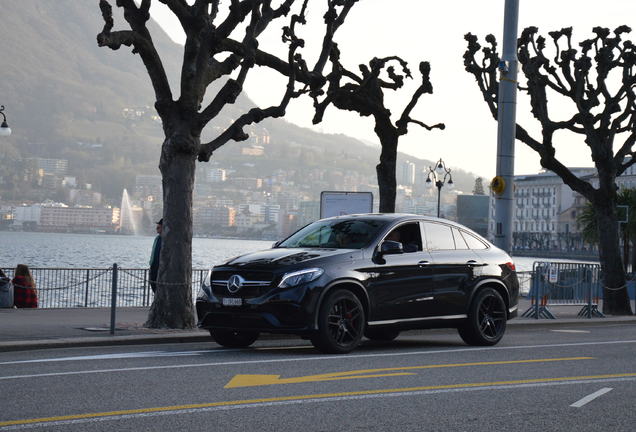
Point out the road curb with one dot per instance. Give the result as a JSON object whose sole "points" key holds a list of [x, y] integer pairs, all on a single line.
{"points": [[193, 337]]}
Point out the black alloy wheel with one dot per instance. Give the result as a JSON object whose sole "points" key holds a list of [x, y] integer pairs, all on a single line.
{"points": [[340, 323], [234, 338], [381, 334], [487, 318]]}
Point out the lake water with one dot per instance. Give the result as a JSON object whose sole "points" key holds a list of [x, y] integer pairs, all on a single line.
{"points": [[38, 249], [100, 251]]}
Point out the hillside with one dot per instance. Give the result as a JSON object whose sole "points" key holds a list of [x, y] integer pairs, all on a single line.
{"points": [[65, 98]]}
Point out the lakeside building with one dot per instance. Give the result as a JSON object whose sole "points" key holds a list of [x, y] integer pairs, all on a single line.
{"points": [[27, 217], [545, 210], [59, 217]]}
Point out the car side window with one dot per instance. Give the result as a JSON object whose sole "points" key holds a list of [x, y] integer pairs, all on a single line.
{"points": [[460, 243], [474, 242], [409, 235], [438, 237]]}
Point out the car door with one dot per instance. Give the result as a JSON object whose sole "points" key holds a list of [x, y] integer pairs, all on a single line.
{"points": [[401, 284], [452, 267]]}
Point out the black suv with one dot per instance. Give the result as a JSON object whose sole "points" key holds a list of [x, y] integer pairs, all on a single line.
{"points": [[338, 279]]}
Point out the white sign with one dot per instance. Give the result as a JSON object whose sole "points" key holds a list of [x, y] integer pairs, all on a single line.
{"points": [[553, 275], [343, 203]]}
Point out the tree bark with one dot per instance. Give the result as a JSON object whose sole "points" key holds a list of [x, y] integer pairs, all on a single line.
{"points": [[173, 306], [386, 169], [615, 301]]}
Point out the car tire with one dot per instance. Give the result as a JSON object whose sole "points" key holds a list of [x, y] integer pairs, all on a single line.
{"points": [[341, 323], [234, 338], [487, 317], [381, 334]]}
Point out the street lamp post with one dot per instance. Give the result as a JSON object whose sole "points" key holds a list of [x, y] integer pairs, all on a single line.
{"points": [[439, 176], [5, 130]]}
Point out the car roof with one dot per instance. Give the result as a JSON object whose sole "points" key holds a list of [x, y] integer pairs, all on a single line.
{"points": [[399, 217], [390, 217]]}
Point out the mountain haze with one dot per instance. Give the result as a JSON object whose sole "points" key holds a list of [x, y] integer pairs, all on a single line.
{"points": [[65, 98]]}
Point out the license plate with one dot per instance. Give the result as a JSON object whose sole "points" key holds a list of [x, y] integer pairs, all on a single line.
{"points": [[232, 301]]}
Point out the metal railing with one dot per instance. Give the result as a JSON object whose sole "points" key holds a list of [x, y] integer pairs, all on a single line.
{"points": [[564, 284], [92, 287]]}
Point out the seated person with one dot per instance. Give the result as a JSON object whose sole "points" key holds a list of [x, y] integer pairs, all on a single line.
{"points": [[343, 240], [407, 245]]}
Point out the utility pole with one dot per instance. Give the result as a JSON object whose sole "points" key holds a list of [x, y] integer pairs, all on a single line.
{"points": [[506, 118]]}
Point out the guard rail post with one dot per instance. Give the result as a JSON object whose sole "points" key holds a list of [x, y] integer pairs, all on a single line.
{"points": [[113, 300], [589, 300], [537, 294], [88, 273]]}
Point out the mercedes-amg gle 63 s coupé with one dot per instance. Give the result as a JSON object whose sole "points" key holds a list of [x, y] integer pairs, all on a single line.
{"points": [[342, 278]]}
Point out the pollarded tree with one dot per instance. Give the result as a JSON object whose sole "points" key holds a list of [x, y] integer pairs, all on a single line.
{"points": [[212, 53], [588, 223], [598, 82], [364, 93]]}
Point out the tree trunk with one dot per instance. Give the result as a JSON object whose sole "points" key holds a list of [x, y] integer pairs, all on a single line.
{"points": [[172, 306], [615, 300], [385, 170]]}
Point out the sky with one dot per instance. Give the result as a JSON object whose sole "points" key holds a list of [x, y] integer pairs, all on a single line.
{"points": [[434, 31]]}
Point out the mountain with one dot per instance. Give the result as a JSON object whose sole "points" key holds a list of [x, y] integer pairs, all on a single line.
{"points": [[66, 97]]}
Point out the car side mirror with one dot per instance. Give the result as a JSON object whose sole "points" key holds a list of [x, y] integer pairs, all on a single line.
{"points": [[390, 247], [276, 244]]}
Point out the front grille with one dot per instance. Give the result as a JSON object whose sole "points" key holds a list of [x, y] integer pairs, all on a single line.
{"points": [[253, 283]]}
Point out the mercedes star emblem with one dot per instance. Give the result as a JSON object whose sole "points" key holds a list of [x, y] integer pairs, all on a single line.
{"points": [[234, 283]]}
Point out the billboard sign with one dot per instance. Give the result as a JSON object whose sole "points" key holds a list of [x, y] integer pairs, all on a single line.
{"points": [[343, 203]]}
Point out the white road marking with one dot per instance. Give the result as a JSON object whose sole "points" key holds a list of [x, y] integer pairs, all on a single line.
{"points": [[147, 354], [589, 398], [321, 358], [302, 402], [141, 354], [570, 331]]}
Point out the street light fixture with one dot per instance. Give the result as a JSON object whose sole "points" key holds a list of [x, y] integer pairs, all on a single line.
{"points": [[5, 130], [439, 176]]}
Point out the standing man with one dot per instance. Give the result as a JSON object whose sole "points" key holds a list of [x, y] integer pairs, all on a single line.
{"points": [[154, 257]]}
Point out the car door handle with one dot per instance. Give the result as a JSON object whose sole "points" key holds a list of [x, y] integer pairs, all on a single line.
{"points": [[473, 263], [423, 263]]}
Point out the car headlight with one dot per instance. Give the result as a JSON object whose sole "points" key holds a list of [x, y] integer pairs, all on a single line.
{"points": [[300, 277], [205, 292]]}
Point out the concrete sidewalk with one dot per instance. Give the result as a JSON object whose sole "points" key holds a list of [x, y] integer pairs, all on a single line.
{"points": [[24, 329]]}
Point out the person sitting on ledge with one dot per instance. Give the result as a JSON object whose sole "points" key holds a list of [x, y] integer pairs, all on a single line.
{"points": [[25, 295]]}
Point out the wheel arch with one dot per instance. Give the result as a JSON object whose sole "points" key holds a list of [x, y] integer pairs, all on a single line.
{"points": [[349, 284], [498, 286]]}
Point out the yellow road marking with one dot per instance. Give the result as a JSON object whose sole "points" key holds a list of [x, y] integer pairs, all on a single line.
{"points": [[305, 397], [246, 380]]}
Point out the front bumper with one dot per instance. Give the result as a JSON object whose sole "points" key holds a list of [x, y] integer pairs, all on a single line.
{"points": [[283, 311]]}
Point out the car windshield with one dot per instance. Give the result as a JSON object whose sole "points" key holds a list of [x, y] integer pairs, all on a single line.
{"points": [[336, 234]]}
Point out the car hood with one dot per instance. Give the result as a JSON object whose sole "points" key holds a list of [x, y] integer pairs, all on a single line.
{"points": [[278, 257]]}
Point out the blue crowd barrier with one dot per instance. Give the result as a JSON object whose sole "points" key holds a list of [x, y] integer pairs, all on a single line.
{"points": [[564, 284]]}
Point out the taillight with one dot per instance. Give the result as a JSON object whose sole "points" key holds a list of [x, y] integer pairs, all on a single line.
{"points": [[511, 266]]}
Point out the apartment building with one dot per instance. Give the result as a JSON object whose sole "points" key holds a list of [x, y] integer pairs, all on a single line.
{"points": [[546, 209], [63, 218]]}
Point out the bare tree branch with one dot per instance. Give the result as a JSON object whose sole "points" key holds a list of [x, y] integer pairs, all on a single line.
{"points": [[235, 131], [139, 38]]}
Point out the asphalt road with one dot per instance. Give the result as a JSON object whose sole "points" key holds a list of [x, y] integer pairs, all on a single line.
{"points": [[581, 378]]}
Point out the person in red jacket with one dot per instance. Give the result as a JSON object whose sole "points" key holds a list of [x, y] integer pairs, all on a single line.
{"points": [[25, 295]]}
